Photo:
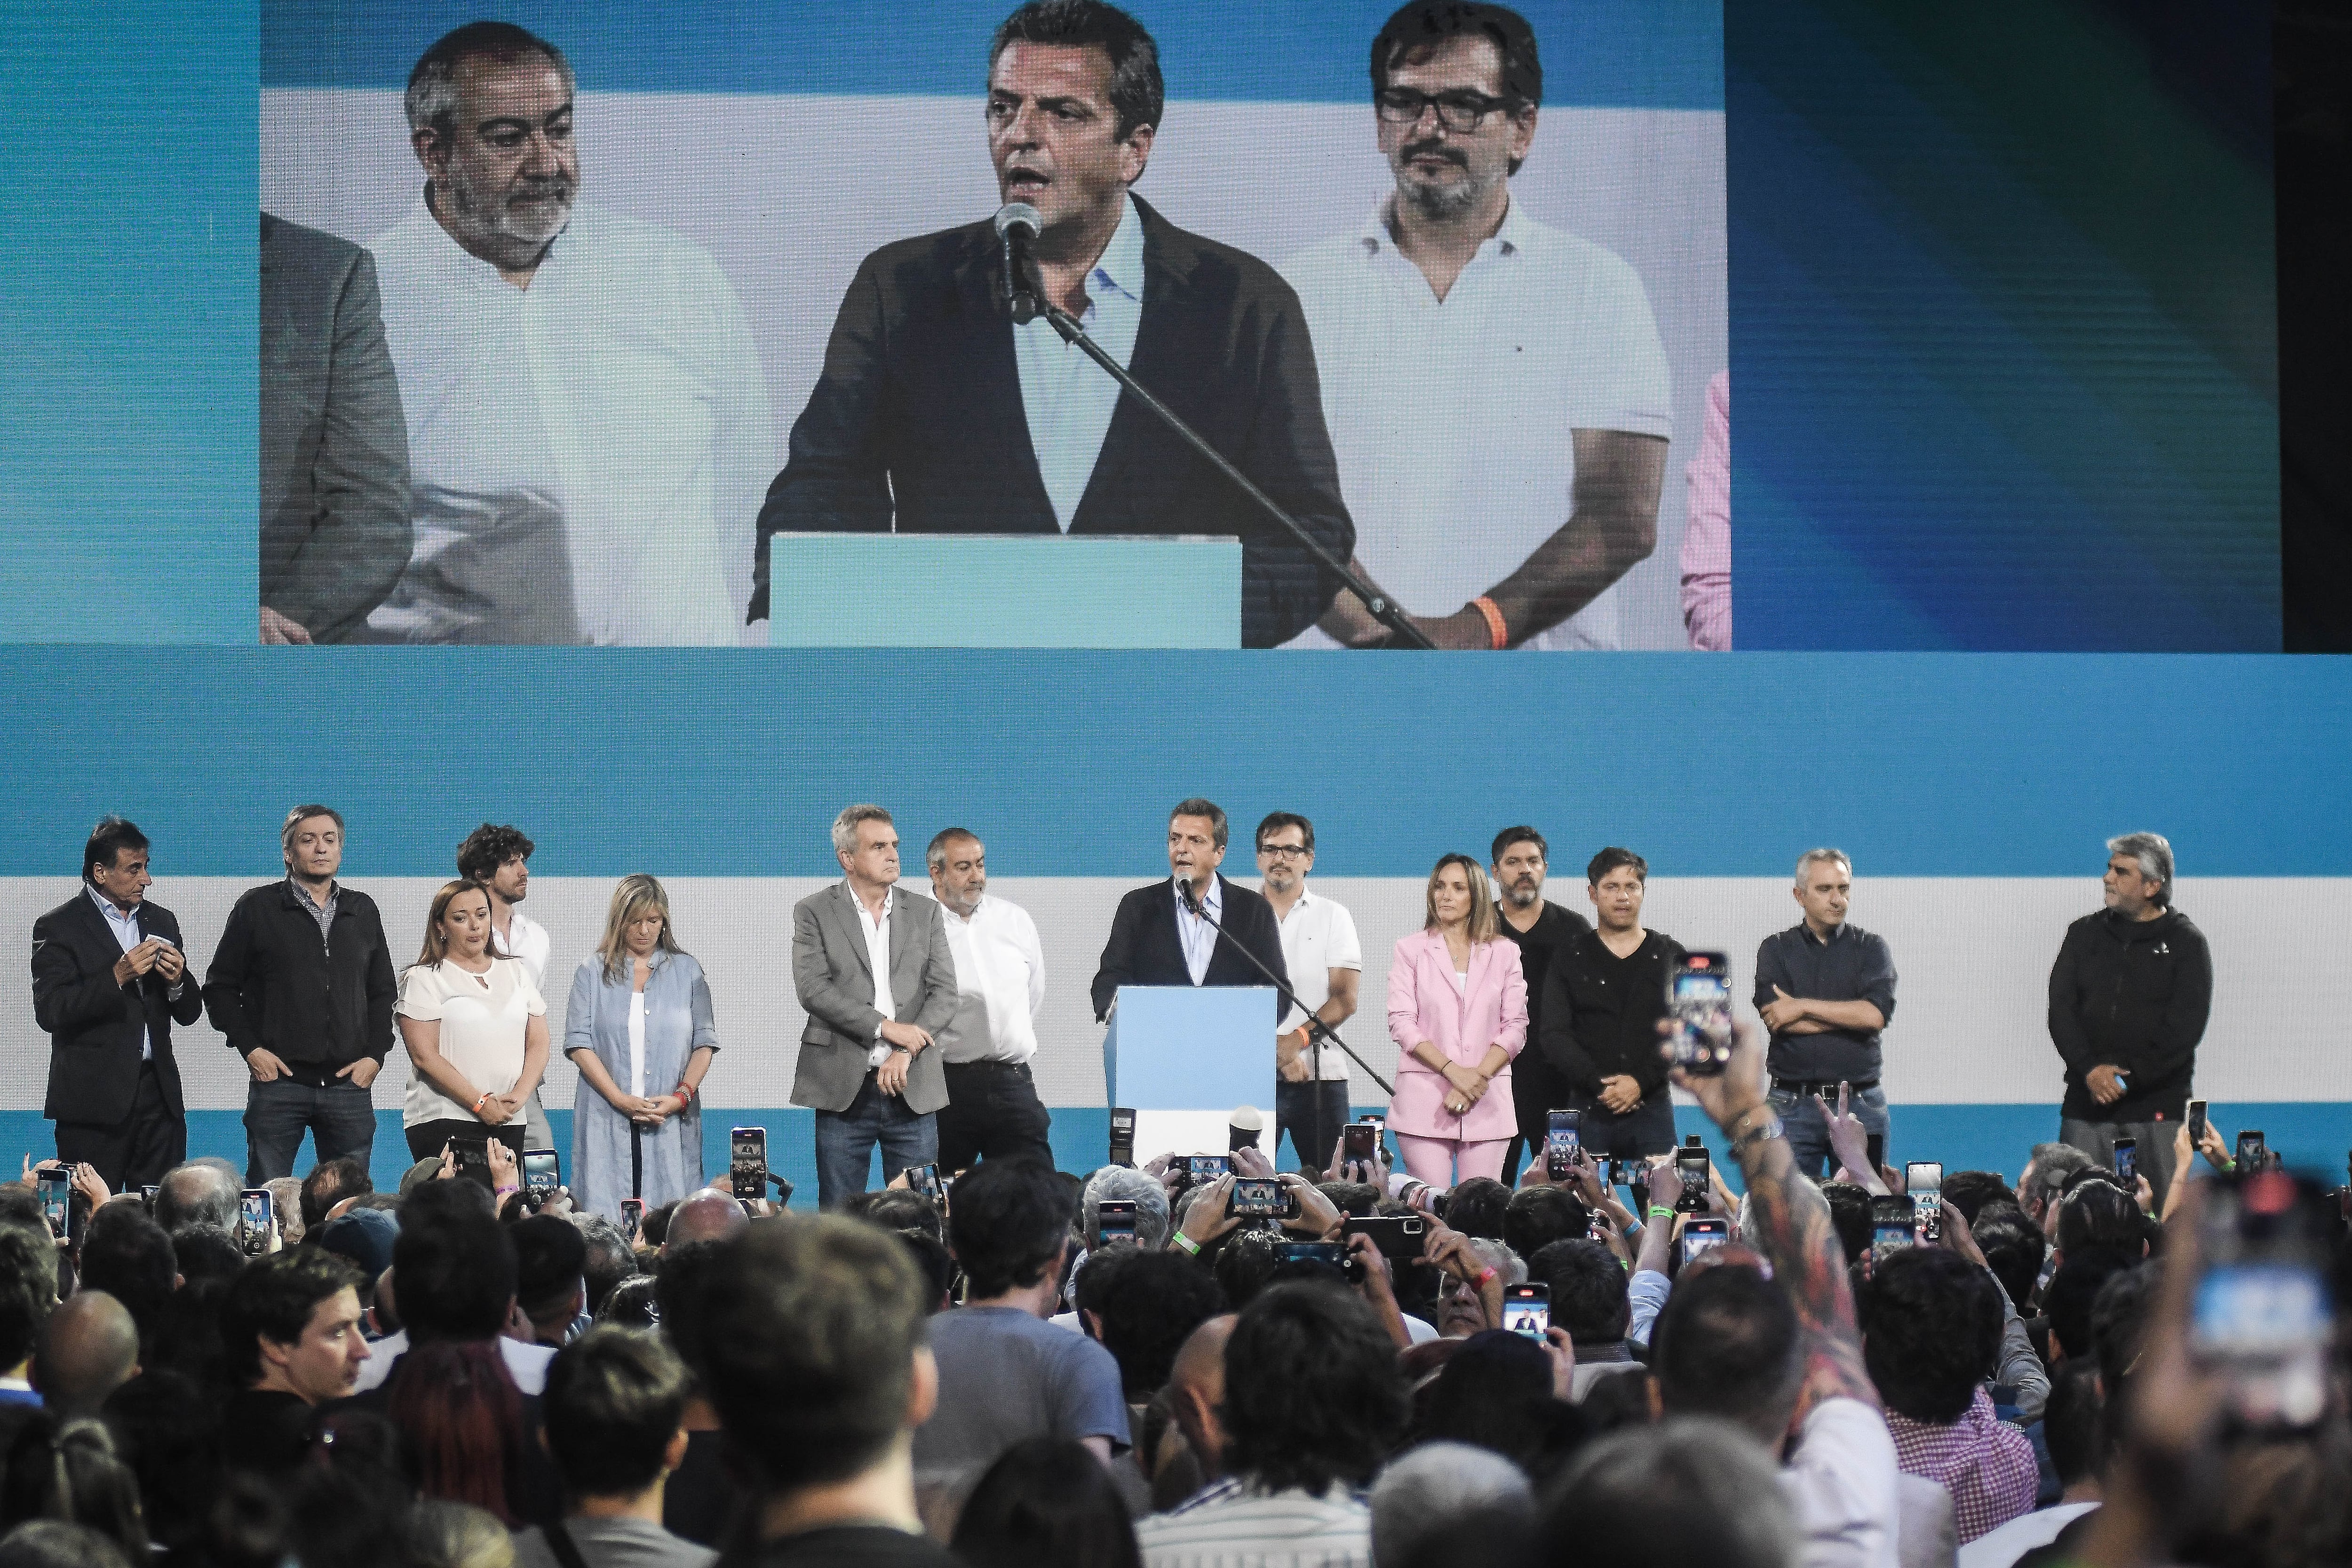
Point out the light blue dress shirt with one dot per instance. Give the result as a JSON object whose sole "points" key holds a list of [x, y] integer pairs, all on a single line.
{"points": [[1068, 398], [1198, 936], [125, 927]]}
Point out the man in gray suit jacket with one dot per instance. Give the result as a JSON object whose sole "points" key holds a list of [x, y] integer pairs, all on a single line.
{"points": [[335, 529], [872, 965]]}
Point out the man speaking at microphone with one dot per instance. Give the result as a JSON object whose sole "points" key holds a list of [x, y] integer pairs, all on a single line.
{"points": [[935, 412], [1159, 936]]}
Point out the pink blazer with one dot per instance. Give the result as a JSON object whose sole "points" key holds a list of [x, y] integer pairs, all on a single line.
{"points": [[1491, 1010]]}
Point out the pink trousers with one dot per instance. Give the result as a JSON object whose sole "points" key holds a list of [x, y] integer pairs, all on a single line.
{"points": [[1433, 1160]]}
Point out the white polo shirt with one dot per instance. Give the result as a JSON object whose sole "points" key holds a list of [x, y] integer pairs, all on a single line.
{"points": [[1451, 422], [528, 943], [1318, 937]]}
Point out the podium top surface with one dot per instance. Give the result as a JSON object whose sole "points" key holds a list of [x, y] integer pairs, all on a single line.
{"points": [[1004, 590]]}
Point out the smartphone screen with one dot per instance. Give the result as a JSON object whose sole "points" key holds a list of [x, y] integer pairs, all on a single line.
{"points": [[2127, 1162], [1208, 1167], [1527, 1308], [1359, 1140], [1326, 1252], [1877, 1144], [1925, 1181], [2196, 1125], [1691, 1165], [57, 1199], [1259, 1197], [256, 1208], [1894, 1224], [633, 1216], [2253, 1153], [1122, 1136], [748, 1161], [1113, 1221], [1698, 1001], [925, 1179], [543, 1171], [474, 1161], [1560, 1143], [1704, 1235]]}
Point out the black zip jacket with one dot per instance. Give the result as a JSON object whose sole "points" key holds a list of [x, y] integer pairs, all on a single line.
{"points": [[1600, 1015], [275, 982], [2134, 995]]}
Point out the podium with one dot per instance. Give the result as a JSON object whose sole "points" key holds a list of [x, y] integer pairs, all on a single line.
{"points": [[1183, 1055], [1004, 590]]}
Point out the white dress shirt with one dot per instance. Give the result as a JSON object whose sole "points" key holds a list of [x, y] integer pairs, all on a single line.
{"points": [[1318, 937], [1452, 421], [124, 924], [1199, 937], [999, 960], [587, 456], [1068, 398], [528, 944], [527, 1365], [877, 954]]}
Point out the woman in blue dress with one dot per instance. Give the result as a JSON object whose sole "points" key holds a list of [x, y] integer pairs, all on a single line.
{"points": [[639, 1029]]}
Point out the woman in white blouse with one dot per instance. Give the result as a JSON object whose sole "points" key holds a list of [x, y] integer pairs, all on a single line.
{"points": [[476, 1030]]}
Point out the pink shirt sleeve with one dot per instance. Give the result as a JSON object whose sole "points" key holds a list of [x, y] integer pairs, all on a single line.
{"points": [[1707, 529], [1404, 1004], [1513, 1035]]}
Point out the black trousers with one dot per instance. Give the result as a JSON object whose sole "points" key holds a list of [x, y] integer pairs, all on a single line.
{"points": [[425, 1139], [1536, 1090], [136, 1152], [993, 1113]]}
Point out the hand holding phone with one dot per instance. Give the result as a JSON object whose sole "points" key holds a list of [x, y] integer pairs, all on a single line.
{"points": [[1698, 1008]]}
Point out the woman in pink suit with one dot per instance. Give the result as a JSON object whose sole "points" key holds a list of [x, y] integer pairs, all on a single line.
{"points": [[1458, 1013]]}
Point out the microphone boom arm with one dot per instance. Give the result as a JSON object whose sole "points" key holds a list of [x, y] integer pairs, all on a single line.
{"points": [[1316, 1029]]}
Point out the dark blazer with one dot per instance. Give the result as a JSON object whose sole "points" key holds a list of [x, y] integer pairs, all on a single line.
{"points": [[92, 1023], [919, 409], [834, 978], [335, 528], [273, 982], [1144, 949]]}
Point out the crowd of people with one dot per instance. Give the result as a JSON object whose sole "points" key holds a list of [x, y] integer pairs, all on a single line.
{"points": [[1149, 1366]]}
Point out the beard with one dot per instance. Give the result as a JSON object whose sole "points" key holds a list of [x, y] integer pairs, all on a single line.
{"points": [[1520, 896], [526, 216], [1443, 201]]}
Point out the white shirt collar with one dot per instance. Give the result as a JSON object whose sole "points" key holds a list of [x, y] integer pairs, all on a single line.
{"points": [[1511, 238], [1120, 266], [108, 907]]}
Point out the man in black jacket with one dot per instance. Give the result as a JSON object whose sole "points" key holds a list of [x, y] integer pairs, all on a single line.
{"points": [[110, 979], [1154, 942], [302, 987], [2128, 999], [1604, 992], [934, 414]]}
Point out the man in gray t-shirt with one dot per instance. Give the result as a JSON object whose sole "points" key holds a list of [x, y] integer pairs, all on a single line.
{"points": [[1005, 1374], [614, 1409]]}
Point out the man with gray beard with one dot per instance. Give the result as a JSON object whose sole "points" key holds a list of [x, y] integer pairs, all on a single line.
{"points": [[590, 433]]}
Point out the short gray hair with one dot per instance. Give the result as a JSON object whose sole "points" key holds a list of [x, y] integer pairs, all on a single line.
{"points": [[844, 827], [1826, 853], [200, 1192], [2053, 1165], [1432, 1490], [1124, 1184], [937, 854], [1717, 1484], [432, 97], [1508, 1265], [2153, 852]]}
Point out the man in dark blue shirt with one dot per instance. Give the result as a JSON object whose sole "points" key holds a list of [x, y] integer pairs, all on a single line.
{"points": [[1826, 989]]}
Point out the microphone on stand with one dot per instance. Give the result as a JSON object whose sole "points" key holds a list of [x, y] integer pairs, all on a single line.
{"points": [[1017, 227], [1184, 895]]}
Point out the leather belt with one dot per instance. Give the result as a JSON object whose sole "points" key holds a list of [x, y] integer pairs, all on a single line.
{"points": [[1826, 1090]]}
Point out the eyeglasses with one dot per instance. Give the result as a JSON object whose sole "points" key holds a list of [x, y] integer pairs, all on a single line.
{"points": [[1459, 111], [1276, 851]]}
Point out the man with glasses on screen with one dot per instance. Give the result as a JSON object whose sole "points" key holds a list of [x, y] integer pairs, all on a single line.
{"points": [[589, 424], [1495, 389], [935, 414]]}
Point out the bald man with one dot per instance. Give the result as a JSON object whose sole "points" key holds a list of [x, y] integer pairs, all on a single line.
{"points": [[1196, 1389], [708, 1216], [89, 1348]]}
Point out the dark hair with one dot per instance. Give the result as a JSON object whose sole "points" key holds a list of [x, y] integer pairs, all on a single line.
{"points": [[550, 1263], [1312, 1392], [631, 1304], [1849, 1216], [168, 1429], [613, 1401], [68, 1471], [609, 1258], [490, 847], [1680, 1491], [2014, 1248], [1242, 1266], [1357, 1200], [1276, 821], [1495, 1392], [28, 1290], [1009, 1224], [2097, 1213], [1970, 1191], [1196, 807], [1588, 1285], [1478, 1207], [1136, 93], [897, 1208], [809, 1335], [2066, 1300], [1535, 1217], [462, 1415], [1510, 835], [187, 1338], [455, 1269], [328, 1183], [1608, 859], [1045, 1500], [680, 1296], [935, 855], [107, 841], [2118, 1313], [1727, 1344], [1150, 1306], [1426, 22], [205, 1252], [273, 1298], [430, 102], [1930, 1332], [128, 1256], [2070, 1424], [302, 814]]}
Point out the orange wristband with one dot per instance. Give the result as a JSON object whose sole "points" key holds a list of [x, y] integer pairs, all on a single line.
{"points": [[1494, 626]]}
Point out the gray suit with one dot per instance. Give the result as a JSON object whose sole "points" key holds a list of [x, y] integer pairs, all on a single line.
{"points": [[835, 980], [335, 529]]}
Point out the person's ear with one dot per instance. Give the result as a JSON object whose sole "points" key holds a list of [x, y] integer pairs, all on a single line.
{"points": [[922, 1387], [673, 1456]]}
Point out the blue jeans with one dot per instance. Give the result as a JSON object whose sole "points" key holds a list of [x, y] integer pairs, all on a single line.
{"points": [[1647, 1130], [340, 1116], [1808, 1135], [846, 1140]]}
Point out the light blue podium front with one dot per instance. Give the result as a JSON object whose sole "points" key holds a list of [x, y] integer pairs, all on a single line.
{"points": [[1010, 590], [1184, 1057]]}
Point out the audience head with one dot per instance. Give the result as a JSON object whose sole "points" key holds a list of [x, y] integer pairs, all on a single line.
{"points": [[1727, 1344], [608, 1260], [708, 1216], [53, 1543], [168, 1426], [813, 1349], [1312, 1393], [1477, 1207], [901, 1209], [1123, 1184], [456, 1404], [328, 1183], [2097, 1214], [2071, 1423], [68, 1471], [1587, 1291], [1849, 1216], [631, 1304], [286, 1203], [550, 1267], [1460, 1311], [187, 1338], [205, 1252], [28, 1292], [200, 1192], [1439, 1493], [2014, 1248], [364, 1239], [2066, 1302], [613, 1406], [2119, 1314], [446, 1535], [1535, 1217], [681, 1295], [1930, 1325], [1496, 1392], [1243, 1266], [1009, 1227], [128, 1256], [1970, 1191], [454, 1264], [291, 1322], [2045, 1177], [1684, 1491], [1153, 1302], [89, 1348], [1045, 1500]]}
